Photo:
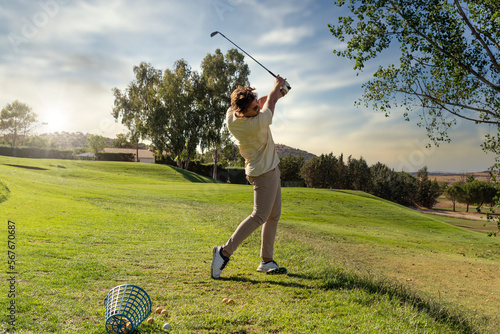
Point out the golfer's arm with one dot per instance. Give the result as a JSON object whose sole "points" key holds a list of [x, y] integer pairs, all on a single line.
{"points": [[272, 98]]}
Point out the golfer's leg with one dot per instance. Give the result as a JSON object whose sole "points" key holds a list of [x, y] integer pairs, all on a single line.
{"points": [[271, 225], [262, 209]]}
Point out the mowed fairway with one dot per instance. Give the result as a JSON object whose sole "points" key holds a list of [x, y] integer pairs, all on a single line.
{"points": [[356, 263]]}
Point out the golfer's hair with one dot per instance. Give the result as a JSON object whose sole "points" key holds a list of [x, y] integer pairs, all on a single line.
{"points": [[242, 98]]}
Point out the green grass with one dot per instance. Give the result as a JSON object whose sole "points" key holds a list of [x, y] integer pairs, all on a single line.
{"points": [[356, 262]]}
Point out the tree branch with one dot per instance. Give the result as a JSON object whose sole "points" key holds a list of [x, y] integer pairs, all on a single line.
{"points": [[442, 50], [443, 105], [477, 35]]}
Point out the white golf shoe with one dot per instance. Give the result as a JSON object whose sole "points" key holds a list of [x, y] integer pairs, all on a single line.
{"points": [[219, 261], [271, 267]]}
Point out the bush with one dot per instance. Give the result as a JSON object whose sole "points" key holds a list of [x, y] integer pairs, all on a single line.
{"points": [[36, 153], [129, 157]]}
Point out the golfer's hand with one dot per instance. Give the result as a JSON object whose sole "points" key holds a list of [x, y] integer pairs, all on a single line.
{"points": [[278, 83]]}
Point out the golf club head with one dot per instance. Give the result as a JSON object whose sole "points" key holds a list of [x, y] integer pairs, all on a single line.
{"points": [[214, 33]]}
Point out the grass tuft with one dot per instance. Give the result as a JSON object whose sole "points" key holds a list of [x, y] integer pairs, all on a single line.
{"points": [[4, 192]]}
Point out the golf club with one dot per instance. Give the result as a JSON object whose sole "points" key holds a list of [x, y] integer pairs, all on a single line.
{"points": [[286, 85]]}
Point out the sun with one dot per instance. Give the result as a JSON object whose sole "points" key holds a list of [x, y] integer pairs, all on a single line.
{"points": [[56, 120]]}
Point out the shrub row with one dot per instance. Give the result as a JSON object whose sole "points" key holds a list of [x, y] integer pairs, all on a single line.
{"points": [[37, 153], [128, 157]]}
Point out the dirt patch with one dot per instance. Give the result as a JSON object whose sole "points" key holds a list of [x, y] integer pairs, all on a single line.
{"points": [[26, 167], [472, 220], [452, 178], [460, 215]]}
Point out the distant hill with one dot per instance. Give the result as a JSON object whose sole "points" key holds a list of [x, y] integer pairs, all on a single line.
{"points": [[284, 151]]}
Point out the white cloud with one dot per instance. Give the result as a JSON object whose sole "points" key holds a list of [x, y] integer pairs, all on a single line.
{"points": [[287, 36]]}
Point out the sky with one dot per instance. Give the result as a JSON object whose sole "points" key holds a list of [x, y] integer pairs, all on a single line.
{"points": [[63, 58]]}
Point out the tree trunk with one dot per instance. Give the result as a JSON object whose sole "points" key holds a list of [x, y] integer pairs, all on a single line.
{"points": [[137, 151], [214, 176]]}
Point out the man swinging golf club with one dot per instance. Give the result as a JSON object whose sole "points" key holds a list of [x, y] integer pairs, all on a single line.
{"points": [[248, 119]]}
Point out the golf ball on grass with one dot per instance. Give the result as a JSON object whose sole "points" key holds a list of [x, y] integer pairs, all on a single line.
{"points": [[164, 312], [150, 320], [158, 310], [166, 326]]}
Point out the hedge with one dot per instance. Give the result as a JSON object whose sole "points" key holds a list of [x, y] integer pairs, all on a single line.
{"points": [[37, 153], [129, 157]]}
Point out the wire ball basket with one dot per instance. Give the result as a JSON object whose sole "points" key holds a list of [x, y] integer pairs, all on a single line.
{"points": [[127, 306]]}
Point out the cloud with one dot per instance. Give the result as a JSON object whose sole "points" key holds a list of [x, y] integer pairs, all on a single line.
{"points": [[287, 36]]}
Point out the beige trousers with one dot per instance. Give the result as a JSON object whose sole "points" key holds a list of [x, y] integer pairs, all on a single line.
{"points": [[266, 213]]}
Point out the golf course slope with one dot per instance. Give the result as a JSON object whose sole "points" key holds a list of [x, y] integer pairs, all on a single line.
{"points": [[356, 263]]}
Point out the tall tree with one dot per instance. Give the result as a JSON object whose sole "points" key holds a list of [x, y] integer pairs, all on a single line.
{"points": [[136, 105], [220, 76], [17, 120], [175, 125], [449, 65]]}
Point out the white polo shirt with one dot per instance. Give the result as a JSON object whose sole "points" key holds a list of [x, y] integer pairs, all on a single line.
{"points": [[255, 141]]}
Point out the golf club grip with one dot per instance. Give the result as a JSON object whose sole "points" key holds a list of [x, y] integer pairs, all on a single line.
{"points": [[287, 85]]}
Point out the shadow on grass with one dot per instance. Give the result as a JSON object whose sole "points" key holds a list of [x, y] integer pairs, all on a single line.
{"points": [[193, 177], [338, 279], [26, 167], [269, 281], [330, 279]]}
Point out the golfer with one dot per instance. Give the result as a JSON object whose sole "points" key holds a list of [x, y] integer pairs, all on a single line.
{"points": [[248, 119]]}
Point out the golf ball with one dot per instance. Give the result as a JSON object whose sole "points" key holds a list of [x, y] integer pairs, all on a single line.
{"points": [[150, 320], [167, 326], [164, 312], [158, 310]]}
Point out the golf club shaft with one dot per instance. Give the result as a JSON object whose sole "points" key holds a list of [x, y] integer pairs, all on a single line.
{"points": [[255, 60], [286, 85]]}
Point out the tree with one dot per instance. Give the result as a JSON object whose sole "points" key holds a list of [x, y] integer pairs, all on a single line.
{"points": [[398, 187], [96, 143], [137, 105], [427, 191], [290, 168], [455, 193], [359, 177], [176, 125], [449, 60], [325, 171], [121, 141], [230, 152], [40, 142], [17, 120], [220, 76]]}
